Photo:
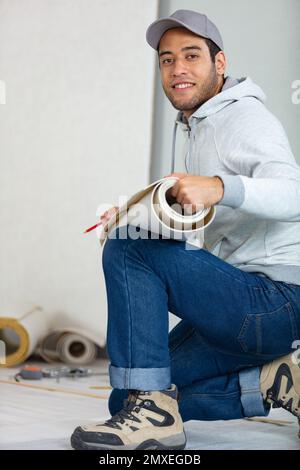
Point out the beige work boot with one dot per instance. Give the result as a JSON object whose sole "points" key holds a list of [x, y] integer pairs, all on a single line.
{"points": [[148, 420], [280, 383]]}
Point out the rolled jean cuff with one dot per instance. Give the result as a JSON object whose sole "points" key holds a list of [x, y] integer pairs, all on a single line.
{"points": [[140, 378], [251, 396]]}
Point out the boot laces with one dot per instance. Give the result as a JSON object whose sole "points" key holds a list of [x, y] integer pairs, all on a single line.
{"points": [[130, 405]]}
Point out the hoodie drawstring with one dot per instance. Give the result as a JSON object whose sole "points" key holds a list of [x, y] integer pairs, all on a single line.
{"points": [[191, 134], [191, 140], [174, 146]]}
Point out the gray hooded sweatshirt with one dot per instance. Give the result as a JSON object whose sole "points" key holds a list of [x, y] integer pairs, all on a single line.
{"points": [[257, 224]]}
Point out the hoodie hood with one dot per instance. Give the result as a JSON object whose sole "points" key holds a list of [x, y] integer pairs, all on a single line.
{"points": [[233, 90]]}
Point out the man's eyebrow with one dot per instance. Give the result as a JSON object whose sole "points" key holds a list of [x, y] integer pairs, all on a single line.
{"points": [[187, 48]]}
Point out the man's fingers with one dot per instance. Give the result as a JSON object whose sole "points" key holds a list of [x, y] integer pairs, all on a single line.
{"points": [[112, 211], [174, 190], [108, 214]]}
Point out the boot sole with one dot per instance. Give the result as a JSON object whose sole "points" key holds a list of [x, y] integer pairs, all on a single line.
{"points": [[168, 443]]}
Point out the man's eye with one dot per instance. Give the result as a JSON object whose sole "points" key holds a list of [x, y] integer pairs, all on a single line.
{"points": [[167, 61], [192, 56]]}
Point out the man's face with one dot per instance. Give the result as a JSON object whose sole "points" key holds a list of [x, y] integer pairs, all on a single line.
{"points": [[188, 75]]}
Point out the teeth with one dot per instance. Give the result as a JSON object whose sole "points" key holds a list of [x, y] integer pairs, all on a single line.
{"points": [[184, 85]]}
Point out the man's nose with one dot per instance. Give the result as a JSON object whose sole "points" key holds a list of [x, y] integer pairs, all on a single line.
{"points": [[179, 68]]}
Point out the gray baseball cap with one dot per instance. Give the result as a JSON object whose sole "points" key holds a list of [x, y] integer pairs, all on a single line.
{"points": [[189, 19]]}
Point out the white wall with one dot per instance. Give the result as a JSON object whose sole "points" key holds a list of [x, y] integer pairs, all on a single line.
{"points": [[261, 40], [75, 132]]}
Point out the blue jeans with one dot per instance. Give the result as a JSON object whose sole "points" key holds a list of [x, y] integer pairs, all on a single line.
{"points": [[232, 322]]}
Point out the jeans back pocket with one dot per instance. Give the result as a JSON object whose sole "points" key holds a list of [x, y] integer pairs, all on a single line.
{"points": [[271, 333]]}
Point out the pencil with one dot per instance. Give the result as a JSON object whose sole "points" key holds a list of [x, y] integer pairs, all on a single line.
{"points": [[92, 228]]}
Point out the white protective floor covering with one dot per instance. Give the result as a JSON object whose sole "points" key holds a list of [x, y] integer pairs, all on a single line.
{"points": [[33, 416]]}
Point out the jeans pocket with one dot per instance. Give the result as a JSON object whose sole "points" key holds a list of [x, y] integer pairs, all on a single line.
{"points": [[270, 333]]}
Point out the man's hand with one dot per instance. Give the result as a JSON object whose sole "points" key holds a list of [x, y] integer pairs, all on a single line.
{"points": [[108, 214], [197, 191]]}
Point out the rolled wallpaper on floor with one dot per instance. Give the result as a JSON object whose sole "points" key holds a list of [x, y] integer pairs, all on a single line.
{"points": [[22, 333], [25, 330], [70, 346]]}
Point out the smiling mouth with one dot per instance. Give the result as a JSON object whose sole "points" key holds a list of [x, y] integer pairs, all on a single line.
{"points": [[183, 86]]}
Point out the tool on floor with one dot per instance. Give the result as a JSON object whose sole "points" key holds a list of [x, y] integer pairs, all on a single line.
{"points": [[57, 372], [29, 372]]}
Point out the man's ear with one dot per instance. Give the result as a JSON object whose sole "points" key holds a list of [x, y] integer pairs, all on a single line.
{"points": [[220, 63]]}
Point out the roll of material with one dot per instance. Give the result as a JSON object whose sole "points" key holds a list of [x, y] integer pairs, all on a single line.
{"points": [[76, 349], [21, 333], [68, 347], [155, 210]]}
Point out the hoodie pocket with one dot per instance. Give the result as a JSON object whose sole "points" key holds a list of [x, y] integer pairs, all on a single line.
{"points": [[269, 333]]}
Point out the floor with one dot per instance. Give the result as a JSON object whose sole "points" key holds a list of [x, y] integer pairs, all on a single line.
{"points": [[42, 415]]}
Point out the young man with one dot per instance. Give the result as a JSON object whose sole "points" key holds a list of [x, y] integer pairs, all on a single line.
{"points": [[231, 355]]}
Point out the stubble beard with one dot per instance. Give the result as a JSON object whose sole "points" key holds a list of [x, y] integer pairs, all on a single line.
{"points": [[208, 89]]}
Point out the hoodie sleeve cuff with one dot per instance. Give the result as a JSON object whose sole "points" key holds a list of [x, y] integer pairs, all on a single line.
{"points": [[234, 191]]}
